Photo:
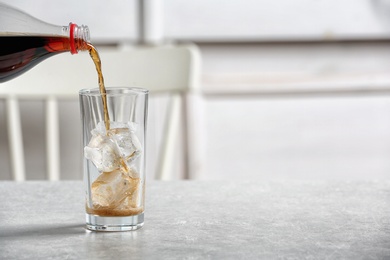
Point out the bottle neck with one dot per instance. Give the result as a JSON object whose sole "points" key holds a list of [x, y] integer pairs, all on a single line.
{"points": [[78, 37]]}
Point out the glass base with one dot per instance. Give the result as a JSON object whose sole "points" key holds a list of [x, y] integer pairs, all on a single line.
{"points": [[98, 223]]}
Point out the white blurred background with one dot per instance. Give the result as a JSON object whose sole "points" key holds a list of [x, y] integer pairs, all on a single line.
{"points": [[294, 89]]}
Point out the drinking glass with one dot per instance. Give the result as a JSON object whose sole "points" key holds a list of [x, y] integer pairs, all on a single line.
{"points": [[114, 157]]}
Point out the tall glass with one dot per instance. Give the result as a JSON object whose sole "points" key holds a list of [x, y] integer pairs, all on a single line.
{"points": [[114, 157]]}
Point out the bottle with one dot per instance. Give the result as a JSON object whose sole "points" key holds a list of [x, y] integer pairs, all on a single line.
{"points": [[26, 41]]}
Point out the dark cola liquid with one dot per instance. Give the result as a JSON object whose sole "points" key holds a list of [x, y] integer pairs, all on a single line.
{"points": [[20, 53], [98, 64]]}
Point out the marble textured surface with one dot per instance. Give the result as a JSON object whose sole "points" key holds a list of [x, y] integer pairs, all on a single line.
{"points": [[204, 220]]}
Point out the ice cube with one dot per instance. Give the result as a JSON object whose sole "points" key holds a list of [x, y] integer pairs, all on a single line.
{"points": [[133, 200], [111, 189], [100, 129], [127, 141], [115, 148], [103, 152]]}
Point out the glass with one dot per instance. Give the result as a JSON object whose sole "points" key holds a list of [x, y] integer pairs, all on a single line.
{"points": [[114, 157]]}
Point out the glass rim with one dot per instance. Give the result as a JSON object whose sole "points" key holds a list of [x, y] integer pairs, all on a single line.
{"points": [[114, 91]]}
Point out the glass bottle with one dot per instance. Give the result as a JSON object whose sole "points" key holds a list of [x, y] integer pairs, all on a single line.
{"points": [[26, 41]]}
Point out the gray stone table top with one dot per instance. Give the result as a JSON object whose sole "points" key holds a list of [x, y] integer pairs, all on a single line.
{"points": [[204, 220]]}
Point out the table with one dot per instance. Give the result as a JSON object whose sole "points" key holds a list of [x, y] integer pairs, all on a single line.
{"points": [[204, 220]]}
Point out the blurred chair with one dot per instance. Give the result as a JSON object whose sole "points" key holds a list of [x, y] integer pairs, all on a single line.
{"points": [[170, 69]]}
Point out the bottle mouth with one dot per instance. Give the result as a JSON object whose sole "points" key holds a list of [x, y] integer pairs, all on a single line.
{"points": [[84, 31], [77, 33]]}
